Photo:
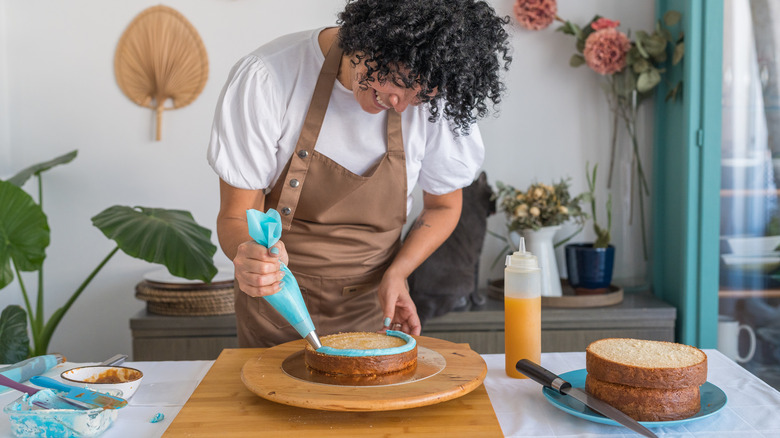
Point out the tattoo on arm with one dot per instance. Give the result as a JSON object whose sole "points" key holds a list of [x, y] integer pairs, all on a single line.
{"points": [[419, 223]]}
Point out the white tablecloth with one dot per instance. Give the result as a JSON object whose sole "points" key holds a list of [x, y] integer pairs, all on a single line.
{"points": [[753, 408]]}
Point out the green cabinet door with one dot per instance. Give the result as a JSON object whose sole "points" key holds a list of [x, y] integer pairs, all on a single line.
{"points": [[686, 176]]}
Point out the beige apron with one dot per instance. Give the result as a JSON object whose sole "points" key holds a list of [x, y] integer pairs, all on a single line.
{"points": [[341, 230]]}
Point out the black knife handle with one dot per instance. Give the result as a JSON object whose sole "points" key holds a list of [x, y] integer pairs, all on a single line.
{"points": [[541, 375]]}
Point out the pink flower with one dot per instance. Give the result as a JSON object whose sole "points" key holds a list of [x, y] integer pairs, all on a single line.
{"points": [[535, 14], [605, 51], [604, 23]]}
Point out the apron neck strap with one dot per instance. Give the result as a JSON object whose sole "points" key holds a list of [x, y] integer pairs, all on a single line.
{"points": [[299, 164], [320, 98]]}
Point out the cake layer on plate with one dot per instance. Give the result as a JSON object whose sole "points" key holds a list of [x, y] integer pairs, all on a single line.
{"points": [[647, 404], [646, 364], [363, 353]]}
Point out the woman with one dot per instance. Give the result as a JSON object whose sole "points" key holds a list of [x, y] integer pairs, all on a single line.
{"points": [[333, 128]]}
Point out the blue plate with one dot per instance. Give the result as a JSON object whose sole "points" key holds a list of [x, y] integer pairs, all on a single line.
{"points": [[713, 399]]}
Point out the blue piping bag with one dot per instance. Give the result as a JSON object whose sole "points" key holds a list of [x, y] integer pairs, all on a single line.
{"points": [[266, 229], [22, 371]]}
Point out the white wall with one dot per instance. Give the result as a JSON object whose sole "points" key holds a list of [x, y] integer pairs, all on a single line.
{"points": [[5, 147], [58, 93]]}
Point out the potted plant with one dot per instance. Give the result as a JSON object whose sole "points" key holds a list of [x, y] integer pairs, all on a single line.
{"points": [[169, 237], [590, 265], [537, 214]]}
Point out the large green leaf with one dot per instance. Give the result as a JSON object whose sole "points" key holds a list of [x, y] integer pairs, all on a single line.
{"points": [[648, 80], [168, 237], [654, 44], [576, 60], [20, 178], [24, 232], [14, 341], [641, 65], [6, 274]]}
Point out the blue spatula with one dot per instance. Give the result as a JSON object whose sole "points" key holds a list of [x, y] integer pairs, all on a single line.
{"points": [[85, 395], [53, 401]]}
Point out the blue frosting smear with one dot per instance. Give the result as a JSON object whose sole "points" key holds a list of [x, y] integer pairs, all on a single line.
{"points": [[350, 352]]}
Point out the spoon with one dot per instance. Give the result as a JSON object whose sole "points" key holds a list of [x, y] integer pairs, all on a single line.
{"points": [[114, 361]]}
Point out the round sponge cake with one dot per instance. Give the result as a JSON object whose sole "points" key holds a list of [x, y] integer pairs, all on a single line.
{"points": [[647, 364], [647, 404], [363, 354]]}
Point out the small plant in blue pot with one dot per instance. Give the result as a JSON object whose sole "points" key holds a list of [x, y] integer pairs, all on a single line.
{"points": [[589, 265]]}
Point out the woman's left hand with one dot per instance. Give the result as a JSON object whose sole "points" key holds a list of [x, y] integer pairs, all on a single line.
{"points": [[439, 216], [397, 305]]}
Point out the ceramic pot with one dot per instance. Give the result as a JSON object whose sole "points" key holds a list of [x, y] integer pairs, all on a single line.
{"points": [[540, 244], [589, 268]]}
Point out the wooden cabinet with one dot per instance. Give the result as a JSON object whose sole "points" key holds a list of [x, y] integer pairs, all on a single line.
{"points": [[159, 337], [640, 315]]}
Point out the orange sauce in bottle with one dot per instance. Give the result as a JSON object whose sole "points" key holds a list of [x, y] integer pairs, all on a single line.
{"points": [[522, 310], [522, 332]]}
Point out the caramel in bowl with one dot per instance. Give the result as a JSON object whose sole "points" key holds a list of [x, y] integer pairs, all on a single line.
{"points": [[102, 378]]}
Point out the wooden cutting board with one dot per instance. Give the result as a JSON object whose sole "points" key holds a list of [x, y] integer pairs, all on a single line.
{"points": [[223, 406]]}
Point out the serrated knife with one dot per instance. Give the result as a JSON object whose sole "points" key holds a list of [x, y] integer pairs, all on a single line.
{"points": [[551, 380]]}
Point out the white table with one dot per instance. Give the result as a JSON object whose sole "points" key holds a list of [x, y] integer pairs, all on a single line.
{"points": [[165, 387], [753, 408]]}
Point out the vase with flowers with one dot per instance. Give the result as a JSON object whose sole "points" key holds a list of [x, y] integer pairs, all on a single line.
{"points": [[632, 67], [537, 214]]}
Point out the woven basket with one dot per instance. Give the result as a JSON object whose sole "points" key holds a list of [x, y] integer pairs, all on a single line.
{"points": [[187, 299]]}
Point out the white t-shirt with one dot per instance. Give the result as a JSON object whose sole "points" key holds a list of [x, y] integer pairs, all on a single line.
{"points": [[260, 115]]}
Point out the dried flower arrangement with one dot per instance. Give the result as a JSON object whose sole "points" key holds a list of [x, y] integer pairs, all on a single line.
{"points": [[541, 205]]}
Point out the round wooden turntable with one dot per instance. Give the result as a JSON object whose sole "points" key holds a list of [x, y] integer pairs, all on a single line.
{"points": [[445, 371]]}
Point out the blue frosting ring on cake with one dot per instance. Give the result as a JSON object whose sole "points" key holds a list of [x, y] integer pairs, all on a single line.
{"points": [[350, 352]]}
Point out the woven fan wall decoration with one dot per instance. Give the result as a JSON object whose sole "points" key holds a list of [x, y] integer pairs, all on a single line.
{"points": [[160, 56]]}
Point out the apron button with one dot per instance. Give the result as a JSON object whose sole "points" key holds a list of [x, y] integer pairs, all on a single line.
{"points": [[286, 211], [294, 183], [303, 154]]}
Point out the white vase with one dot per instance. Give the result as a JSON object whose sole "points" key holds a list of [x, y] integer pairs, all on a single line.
{"points": [[540, 244]]}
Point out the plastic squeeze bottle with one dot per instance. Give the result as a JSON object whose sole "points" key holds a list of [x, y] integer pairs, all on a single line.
{"points": [[522, 310]]}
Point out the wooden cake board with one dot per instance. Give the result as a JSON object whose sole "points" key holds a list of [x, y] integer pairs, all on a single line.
{"points": [[464, 370], [223, 406]]}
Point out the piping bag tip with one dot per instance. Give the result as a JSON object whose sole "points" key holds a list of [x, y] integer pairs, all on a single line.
{"points": [[313, 340]]}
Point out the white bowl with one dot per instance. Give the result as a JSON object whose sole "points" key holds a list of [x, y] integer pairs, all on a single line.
{"points": [[103, 378], [756, 264], [753, 245]]}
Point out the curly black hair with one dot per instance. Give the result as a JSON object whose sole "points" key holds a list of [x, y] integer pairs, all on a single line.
{"points": [[456, 47]]}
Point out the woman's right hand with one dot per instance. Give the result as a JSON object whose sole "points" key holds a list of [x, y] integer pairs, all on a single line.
{"points": [[257, 268]]}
